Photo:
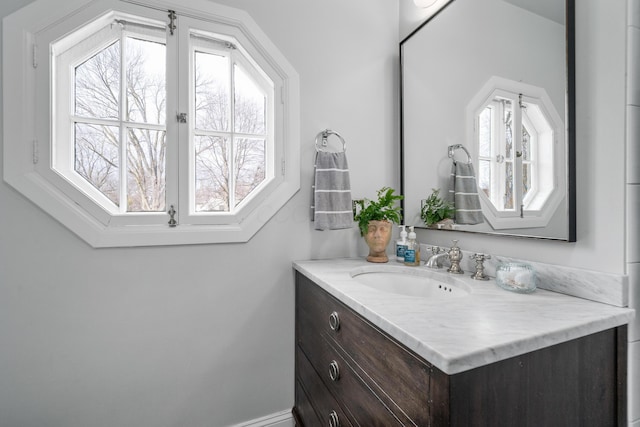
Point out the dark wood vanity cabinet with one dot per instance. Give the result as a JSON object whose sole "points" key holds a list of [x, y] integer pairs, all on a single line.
{"points": [[349, 373]]}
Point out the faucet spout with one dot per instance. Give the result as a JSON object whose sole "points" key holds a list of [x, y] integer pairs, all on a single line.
{"points": [[435, 260]]}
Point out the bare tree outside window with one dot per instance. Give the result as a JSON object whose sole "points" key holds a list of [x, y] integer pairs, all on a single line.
{"points": [[227, 165], [115, 130], [99, 148]]}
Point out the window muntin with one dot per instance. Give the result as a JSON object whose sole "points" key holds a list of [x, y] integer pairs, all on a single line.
{"points": [[48, 174]]}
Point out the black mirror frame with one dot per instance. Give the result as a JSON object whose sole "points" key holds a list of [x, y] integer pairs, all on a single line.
{"points": [[570, 117]]}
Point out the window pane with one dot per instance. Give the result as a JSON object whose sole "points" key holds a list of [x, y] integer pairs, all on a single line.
{"points": [[146, 76], [250, 166], [97, 84], [484, 127], [97, 159], [484, 177], [212, 174], [526, 179], [212, 91], [526, 144], [250, 105], [508, 186], [146, 150]]}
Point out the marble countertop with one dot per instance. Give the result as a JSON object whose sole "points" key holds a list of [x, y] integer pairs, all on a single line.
{"points": [[461, 333]]}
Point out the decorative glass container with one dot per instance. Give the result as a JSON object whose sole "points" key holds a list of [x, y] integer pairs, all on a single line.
{"points": [[516, 277]]}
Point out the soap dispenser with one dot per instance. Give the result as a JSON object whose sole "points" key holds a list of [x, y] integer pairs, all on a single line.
{"points": [[401, 244], [412, 253]]}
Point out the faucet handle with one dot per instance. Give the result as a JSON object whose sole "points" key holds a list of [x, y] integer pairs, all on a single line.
{"points": [[455, 255], [480, 258], [435, 250], [454, 251]]}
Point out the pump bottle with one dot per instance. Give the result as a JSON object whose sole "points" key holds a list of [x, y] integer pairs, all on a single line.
{"points": [[401, 244], [412, 253]]}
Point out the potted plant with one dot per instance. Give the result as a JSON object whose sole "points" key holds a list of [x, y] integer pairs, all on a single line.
{"points": [[375, 219], [435, 209]]}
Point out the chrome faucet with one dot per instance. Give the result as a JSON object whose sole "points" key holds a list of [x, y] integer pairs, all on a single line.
{"points": [[435, 260]]}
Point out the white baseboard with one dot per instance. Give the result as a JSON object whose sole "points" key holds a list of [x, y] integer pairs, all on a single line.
{"points": [[279, 419]]}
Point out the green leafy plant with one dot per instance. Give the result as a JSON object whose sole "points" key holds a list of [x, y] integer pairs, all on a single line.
{"points": [[383, 209], [435, 209]]}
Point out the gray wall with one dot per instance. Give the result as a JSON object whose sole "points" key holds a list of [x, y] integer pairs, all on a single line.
{"points": [[194, 335]]}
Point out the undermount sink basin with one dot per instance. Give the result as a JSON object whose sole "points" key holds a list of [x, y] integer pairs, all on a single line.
{"points": [[410, 281]]}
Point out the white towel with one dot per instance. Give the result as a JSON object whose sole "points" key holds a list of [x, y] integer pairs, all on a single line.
{"points": [[331, 208], [463, 192]]}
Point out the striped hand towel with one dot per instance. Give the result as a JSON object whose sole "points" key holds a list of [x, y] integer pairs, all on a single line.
{"points": [[331, 207], [463, 192]]}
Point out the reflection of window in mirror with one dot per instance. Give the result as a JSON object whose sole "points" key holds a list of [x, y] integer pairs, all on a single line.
{"points": [[501, 155], [517, 135]]}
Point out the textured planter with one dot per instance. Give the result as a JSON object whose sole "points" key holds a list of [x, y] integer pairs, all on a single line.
{"points": [[378, 237]]}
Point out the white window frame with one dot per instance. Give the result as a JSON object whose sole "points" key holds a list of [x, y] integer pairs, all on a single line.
{"points": [[499, 168], [62, 157], [28, 125], [548, 190], [257, 197]]}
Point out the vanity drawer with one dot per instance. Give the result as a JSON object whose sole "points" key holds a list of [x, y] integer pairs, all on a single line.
{"points": [[361, 403], [388, 369], [314, 404]]}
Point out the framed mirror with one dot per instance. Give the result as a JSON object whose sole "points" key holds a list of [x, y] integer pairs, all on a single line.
{"points": [[488, 118]]}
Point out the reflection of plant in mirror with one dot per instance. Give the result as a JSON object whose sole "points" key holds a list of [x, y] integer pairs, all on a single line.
{"points": [[434, 209], [384, 209]]}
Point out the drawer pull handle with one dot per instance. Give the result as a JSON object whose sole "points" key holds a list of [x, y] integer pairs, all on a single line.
{"points": [[334, 371], [334, 321], [334, 421]]}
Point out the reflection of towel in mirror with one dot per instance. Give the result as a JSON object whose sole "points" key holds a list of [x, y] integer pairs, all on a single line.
{"points": [[463, 192], [331, 207]]}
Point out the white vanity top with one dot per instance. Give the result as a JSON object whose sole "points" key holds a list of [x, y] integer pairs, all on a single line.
{"points": [[463, 333]]}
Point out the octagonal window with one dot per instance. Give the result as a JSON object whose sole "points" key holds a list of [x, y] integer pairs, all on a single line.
{"points": [[158, 121]]}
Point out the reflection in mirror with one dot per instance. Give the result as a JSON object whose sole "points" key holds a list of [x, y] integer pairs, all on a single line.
{"points": [[518, 140], [494, 78]]}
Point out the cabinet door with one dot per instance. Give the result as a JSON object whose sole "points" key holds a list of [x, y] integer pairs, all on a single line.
{"points": [[572, 384]]}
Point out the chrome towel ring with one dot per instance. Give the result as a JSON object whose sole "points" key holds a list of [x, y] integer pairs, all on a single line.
{"points": [[453, 148], [323, 136]]}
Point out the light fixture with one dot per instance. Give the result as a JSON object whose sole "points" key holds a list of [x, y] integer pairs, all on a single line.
{"points": [[424, 3]]}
